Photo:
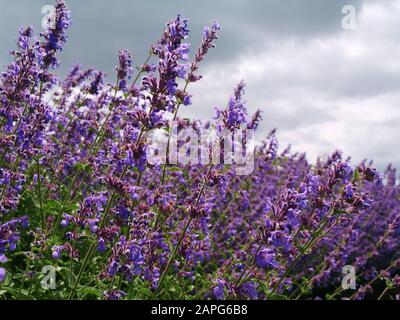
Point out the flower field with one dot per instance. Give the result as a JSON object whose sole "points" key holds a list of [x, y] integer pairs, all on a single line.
{"points": [[85, 214]]}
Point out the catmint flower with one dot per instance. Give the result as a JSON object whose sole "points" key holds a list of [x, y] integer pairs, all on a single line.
{"points": [[219, 290], [25, 34], [113, 268], [124, 69], [280, 240], [101, 245], [209, 37], [235, 113], [312, 182], [256, 119], [175, 32], [57, 251], [249, 289], [55, 36], [114, 294], [3, 258], [348, 191], [2, 274], [96, 85], [266, 259]]}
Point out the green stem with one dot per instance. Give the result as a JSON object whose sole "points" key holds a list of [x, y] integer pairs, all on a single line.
{"points": [[387, 288], [3, 191], [78, 171], [102, 223], [376, 278], [82, 269], [92, 246], [93, 148], [107, 209], [39, 187], [170, 133], [15, 131], [315, 236], [141, 69], [238, 281], [172, 257]]}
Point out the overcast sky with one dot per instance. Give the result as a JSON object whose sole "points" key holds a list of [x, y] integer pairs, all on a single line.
{"points": [[322, 87]]}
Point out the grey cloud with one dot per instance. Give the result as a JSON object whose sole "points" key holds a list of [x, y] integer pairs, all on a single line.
{"points": [[101, 27]]}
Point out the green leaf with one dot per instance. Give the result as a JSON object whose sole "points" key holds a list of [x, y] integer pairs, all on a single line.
{"points": [[356, 175], [90, 293]]}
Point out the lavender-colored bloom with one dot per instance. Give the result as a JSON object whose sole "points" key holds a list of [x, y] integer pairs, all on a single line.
{"points": [[266, 259], [97, 83], [124, 69], [114, 294], [101, 245], [113, 268], [219, 290], [2, 274], [57, 251], [348, 190], [3, 258], [235, 114], [249, 289], [55, 36], [209, 37]]}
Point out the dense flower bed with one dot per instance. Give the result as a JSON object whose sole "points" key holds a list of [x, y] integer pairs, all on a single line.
{"points": [[78, 194]]}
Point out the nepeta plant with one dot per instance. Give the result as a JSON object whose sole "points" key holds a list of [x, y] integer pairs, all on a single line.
{"points": [[78, 193]]}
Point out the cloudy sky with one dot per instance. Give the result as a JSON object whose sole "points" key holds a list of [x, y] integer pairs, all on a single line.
{"points": [[322, 87]]}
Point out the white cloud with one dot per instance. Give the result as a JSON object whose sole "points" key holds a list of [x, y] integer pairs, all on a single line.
{"points": [[333, 91]]}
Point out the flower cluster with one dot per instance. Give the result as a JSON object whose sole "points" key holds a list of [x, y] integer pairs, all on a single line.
{"points": [[77, 191]]}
